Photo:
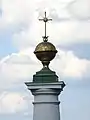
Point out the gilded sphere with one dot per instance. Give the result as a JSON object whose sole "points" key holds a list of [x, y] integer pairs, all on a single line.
{"points": [[45, 52], [45, 46]]}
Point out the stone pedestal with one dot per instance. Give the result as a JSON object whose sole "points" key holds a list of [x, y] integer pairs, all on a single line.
{"points": [[46, 104]]}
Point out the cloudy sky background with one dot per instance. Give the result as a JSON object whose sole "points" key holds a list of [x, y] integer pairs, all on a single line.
{"points": [[20, 32]]}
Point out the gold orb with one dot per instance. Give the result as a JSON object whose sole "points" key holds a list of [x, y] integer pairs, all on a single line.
{"points": [[45, 52]]}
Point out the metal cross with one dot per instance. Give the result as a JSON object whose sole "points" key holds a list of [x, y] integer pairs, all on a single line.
{"points": [[45, 19]]}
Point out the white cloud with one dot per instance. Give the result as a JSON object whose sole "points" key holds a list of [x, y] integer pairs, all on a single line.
{"points": [[16, 15], [80, 9], [64, 32], [13, 73], [17, 10], [66, 64], [81, 32], [20, 67], [20, 17], [69, 65], [60, 34], [12, 103]]}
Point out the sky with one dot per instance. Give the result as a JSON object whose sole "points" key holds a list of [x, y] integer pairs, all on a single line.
{"points": [[20, 32]]}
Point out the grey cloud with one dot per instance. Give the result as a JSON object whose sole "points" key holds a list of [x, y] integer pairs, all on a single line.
{"points": [[56, 18], [81, 50], [71, 12], [79, 9]]}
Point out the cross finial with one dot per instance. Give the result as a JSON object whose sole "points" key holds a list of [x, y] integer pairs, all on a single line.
{"points": [[45, 20]]}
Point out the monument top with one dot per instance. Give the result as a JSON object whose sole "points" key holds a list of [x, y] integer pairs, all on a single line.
{"points": [[45, 51]]}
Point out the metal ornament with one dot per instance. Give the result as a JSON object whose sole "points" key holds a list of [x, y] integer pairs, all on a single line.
{"points": [[45, 20], [45, 51]]}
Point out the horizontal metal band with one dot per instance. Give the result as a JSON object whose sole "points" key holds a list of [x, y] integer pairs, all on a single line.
{"points": [[57, 103]]}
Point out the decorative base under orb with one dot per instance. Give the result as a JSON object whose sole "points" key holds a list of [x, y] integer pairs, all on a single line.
{"points": [[45, 76]]}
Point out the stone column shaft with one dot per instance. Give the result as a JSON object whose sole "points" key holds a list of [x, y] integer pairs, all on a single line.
{"points": [[46, 105]]}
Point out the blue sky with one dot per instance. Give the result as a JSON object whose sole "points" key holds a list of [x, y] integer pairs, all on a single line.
{"points": [[20, 32]]}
